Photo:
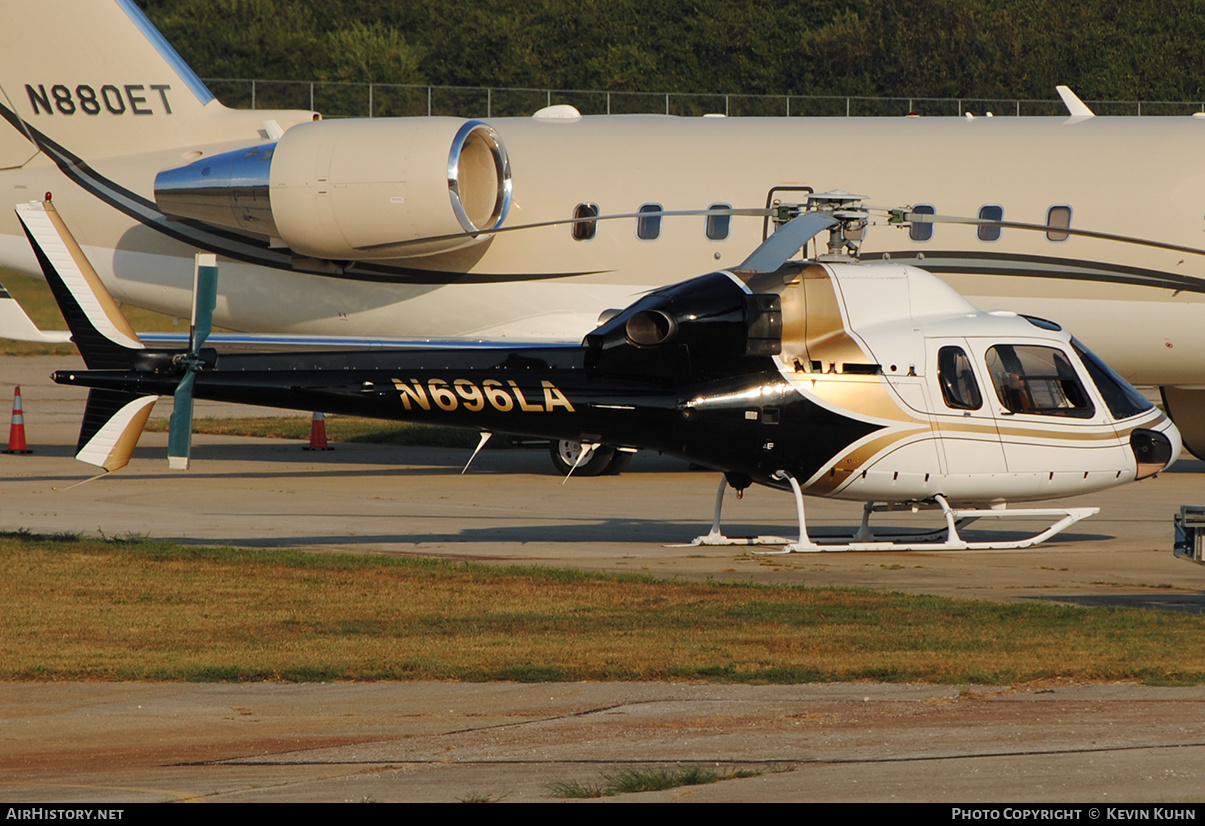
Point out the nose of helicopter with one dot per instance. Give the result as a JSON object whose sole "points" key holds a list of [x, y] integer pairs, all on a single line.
{"points": [[1155, 450]]}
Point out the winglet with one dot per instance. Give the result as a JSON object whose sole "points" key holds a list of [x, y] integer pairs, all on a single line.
{"points": [[1075, 107]]}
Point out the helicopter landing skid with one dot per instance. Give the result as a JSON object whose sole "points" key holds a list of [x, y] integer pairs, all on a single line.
{"points": [[947, 539]]}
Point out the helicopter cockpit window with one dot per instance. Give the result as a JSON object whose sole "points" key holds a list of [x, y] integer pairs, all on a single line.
{"points": [[1120, 397], [922, 232], [957, 379], [585, 230], [991, 212], [718, 225], [1037, 380], [648, 226]]}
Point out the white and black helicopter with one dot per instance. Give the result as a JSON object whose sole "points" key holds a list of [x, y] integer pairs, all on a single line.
{"points": [[873, 382]]}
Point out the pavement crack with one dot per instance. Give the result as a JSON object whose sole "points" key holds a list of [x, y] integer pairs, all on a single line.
{"points": [[782, 760]]}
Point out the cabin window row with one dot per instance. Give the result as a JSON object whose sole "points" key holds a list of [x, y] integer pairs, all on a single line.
{"points": [[1058, 219], [1026, 378], [648, 222], [717, 227]]}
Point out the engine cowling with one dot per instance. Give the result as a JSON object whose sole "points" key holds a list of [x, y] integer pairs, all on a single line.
{"points": [[695, 329], [354, 189]]}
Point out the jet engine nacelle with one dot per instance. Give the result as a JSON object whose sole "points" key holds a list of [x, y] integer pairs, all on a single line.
{"points": [[353, 189]]}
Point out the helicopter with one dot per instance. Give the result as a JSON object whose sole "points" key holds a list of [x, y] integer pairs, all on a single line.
{"points": [[873, 382]]}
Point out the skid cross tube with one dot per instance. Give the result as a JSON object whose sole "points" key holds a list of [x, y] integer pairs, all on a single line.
{"points": [[864, 538]]}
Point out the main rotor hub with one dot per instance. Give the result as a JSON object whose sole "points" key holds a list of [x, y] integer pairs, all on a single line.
{"points": [[845, 238]]}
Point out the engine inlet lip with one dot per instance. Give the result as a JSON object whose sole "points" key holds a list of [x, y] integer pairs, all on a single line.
{"points": [[505, 185]]}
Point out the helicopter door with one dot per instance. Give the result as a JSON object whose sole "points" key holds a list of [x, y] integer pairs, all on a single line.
{"points": [[962, 413], [1048, 421]]}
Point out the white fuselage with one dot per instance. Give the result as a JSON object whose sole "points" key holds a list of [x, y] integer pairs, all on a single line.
{"points": [[866, 341]]}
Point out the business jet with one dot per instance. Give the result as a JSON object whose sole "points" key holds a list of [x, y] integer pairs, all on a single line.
{"points": [[400, 227]]}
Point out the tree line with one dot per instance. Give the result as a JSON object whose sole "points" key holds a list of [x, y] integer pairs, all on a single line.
{"points": [[1104, 49]]}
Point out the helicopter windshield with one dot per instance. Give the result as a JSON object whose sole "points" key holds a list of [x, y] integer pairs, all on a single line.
{"points": [[1120, 396]]}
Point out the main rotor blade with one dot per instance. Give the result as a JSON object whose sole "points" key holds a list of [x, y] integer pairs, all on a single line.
{"points": [[788, 240], [179, 434], [204, 300], [756, 212], [901, 216]]}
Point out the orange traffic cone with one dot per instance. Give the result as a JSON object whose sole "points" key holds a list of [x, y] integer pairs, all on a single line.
{"points": [[318, 433], [16, 433]]}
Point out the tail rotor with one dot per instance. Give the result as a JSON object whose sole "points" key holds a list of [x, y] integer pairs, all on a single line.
{"points": [[204, 301]]}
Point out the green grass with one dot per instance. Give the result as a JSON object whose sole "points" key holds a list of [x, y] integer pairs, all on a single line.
{"points": [[482, 797], [576, 790], [136, 609]]}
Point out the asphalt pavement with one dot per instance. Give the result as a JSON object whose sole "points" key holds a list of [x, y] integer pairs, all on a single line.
{"points": [[442, 741]]}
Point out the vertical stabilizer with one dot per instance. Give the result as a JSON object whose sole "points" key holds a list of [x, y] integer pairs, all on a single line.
{"points": [[95, 78], [103, 335], [113, 420], [86, 80]]}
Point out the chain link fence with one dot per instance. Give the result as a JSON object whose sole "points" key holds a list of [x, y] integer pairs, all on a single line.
{"points": [[379, 100]]}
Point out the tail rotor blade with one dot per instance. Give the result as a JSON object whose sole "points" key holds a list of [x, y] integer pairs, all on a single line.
{"points": [[204, 299], [179, 435]]}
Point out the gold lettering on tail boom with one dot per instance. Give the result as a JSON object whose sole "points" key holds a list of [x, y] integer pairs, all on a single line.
{"points": [[555, 398], [418, 394], [524, 405], [464, 392]]}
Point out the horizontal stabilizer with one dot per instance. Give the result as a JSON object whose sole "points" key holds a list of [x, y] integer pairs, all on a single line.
{"points": [[16, 325], [113, 422], [104, 338]]}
